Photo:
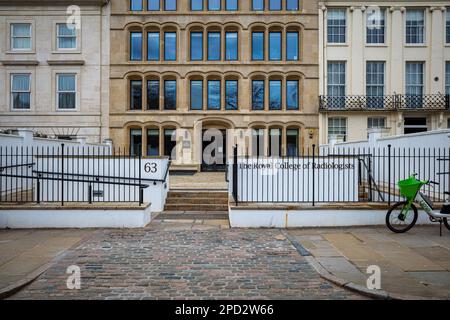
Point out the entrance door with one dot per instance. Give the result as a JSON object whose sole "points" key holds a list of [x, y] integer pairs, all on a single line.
{"points": [[214, 157]]}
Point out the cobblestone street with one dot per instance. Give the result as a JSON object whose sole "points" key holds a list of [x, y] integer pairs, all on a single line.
{"points": [[170, 260]]}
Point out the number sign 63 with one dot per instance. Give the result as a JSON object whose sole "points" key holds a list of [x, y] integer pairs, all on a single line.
{"points": [[150, 167]]}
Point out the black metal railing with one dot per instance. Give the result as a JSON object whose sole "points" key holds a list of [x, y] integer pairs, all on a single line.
{"points": [[388, 102], [338, 174], [71, 174]]}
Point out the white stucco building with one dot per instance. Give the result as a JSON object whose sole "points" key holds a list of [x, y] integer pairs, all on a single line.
{"points": [[54, 78], [383, 64]]}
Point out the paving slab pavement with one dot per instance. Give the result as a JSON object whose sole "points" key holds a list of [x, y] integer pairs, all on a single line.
{"points": [[414, 264], [25, 253]]}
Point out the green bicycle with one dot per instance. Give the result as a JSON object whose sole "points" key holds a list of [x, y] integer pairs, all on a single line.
{"points": [[402, 216]]}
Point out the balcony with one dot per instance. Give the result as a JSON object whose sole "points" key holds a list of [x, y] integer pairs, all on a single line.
{"points": [[396, 102]]}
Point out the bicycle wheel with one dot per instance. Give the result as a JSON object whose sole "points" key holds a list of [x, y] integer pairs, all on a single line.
{"points": [[447, 224], [397, 222]]}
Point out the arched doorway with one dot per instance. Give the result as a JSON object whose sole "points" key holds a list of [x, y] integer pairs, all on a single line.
{"points": [[214, 144]]}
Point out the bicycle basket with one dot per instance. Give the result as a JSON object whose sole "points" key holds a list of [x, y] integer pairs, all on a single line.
{"points": [[409, 187]]}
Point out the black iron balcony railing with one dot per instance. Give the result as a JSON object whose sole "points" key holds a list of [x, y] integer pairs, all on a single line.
{"points": [[389, 102]]}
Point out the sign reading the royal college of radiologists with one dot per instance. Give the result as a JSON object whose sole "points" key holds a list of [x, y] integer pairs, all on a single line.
{"points": [[286, 165], [298, 179]]}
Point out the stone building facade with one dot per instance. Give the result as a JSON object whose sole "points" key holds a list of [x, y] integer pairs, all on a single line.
{"points": [[385, 66], [179, 68], [54, 78]]}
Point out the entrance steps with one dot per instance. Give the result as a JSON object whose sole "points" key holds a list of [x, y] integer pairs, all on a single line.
{"points": [[195, 205]]}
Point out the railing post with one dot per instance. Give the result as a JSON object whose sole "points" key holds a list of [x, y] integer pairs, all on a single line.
{"points": [[389, 174], [235, 175], [38, 191], [62, 174], [369, 171], [90, 193], [313, 174], [141, 191]]}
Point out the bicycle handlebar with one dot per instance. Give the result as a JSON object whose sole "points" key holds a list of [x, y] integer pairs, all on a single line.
{"points": [[433, 182]]}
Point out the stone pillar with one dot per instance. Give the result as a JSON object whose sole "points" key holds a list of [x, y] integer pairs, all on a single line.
{"points": [[356, 41], [397, 63], [437, 68]]}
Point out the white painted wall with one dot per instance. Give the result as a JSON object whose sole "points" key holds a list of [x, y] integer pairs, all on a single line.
{"points": [[75, 218], [269, 218]]}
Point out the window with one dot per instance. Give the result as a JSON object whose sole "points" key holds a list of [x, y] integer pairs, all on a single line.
{"points": [[136, 46], [214, 94], [231, 5], [258, 95], [153, 5], [415, 26], [135, 94], [231, 46], [169, 142], [66, 37], [196, 94], [196, 46], [375, 84], [21, 36], [170, 5], [170, 46], [20, 91], [447, 77], [292, 142], [375, 26], [275, 95], [376, 123], [291, 5], [213, 46], [258, 46], [66, 91], [153, 46], [275, 46], [447, 27], [336, 83], [258, 142], [153, 94], [274, 5], [170, 95], [196, 5], [292, 94], [214, 5], [275, 142], [336, 25], [136, 5], [292, 46], [337, 129], [258, 5], [231, 94], [153, 142], [414, 125], [414, 84], [135, 142]]}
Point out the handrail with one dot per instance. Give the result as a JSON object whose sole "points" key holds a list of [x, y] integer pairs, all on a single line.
{"points": [[16, 166], [372, 179], [75, 180]]}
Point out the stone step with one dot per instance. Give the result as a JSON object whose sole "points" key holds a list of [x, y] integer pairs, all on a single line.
{"points": [[191, 215], [197, 201], [198, 194], [196, 207]]}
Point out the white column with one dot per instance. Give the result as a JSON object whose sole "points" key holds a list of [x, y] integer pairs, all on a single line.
{"points": [[437, 51], [357, 52], [397, 37]]}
